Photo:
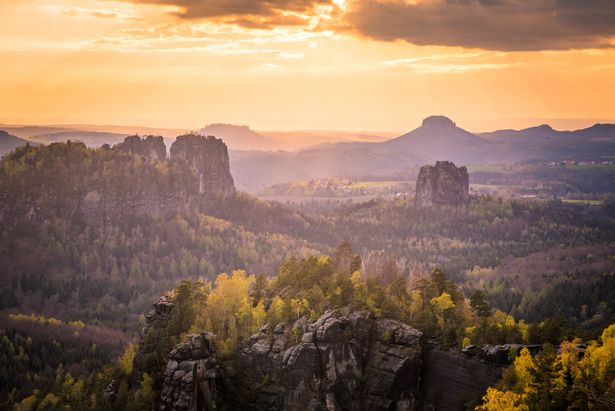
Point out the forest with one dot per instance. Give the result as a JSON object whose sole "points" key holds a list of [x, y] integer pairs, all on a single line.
{"points": [[235, 306], [90, 238]]}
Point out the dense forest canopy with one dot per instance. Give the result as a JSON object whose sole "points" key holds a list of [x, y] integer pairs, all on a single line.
{"points": [[89, 238]]}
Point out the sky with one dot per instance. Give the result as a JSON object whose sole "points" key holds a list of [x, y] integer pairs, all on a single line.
{"points": [[308, 64]]}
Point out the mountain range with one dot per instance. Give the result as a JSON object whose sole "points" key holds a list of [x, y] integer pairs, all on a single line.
{"points": [[255, 165], [438, 138]]}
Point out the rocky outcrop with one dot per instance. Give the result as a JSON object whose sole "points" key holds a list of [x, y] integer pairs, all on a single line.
{"points": [[156, 318], [499, 354], [346, 360], [442, 184], [151, 147], [452, 381], [208, 157], [437, 121], [193, 377]]}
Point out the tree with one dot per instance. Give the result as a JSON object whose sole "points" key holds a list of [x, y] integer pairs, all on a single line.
{"points": [[145, 394], [496, 400], [479, 304], [546, 389]]}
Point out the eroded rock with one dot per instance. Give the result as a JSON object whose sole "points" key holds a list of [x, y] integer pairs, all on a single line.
{"points": [[151, 147], [442, 184], [208, 156]]}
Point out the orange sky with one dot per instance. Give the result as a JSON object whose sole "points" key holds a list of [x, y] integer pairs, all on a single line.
{"points": [[309, 64]]}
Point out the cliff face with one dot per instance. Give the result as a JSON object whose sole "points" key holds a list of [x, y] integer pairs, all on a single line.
{"points": [[107, 185], [151, 147], [346, 360], [208, 156], [193, 377], [442, 184]]}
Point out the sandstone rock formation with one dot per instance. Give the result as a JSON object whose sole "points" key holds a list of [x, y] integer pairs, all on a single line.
{"points": [[346, 360], [149, 147], [208, 156], [193, 376], [442, 184], [155, 319]]}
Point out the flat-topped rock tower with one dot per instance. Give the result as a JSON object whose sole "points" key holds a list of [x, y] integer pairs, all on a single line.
{"points": [[208, 156], [442, 184]]}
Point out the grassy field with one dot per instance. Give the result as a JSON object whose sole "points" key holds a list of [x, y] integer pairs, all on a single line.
{"points": [[488, 168], [576, 201], [377, 184]]}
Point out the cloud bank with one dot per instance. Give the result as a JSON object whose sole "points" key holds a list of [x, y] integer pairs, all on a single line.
{"points": [[506, 25], [250, 13]]}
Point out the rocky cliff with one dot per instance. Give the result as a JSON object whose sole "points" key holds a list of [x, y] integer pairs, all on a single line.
{"points": [[442, 184], [208, 156], [149, 147], [345, 360], [107, 185]]}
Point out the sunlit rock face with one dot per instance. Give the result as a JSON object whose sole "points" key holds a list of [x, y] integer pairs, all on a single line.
{"points": [[442, 184], [149, 147], [208, 156]]}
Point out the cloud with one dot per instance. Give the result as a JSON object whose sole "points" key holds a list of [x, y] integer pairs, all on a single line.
{"points": [[89, 12], [253, 13], [452, 63], [508, 25]]}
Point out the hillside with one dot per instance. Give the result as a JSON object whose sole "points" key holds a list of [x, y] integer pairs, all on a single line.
{"points": [[239, 137], [437, 138], [9, 142], [89, 138], [89, 238]]}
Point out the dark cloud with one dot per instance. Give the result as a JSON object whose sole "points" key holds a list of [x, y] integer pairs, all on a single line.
{"points": [[508, 25], [250, 13]]}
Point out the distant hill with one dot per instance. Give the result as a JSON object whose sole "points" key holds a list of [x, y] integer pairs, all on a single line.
{"points": [[9, 142], [239, 137], [89, 138], [438, 138], [28, 132]]}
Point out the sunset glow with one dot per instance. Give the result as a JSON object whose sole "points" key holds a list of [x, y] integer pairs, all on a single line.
{"points": [[300, 65]]}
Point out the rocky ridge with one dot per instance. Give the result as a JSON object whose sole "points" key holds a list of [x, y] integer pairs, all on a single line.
{"points": [[345, 360], [151, 147], [134, 177]]}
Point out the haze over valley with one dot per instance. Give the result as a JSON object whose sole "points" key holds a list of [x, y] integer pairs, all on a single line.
{"points": [[315, 205]]}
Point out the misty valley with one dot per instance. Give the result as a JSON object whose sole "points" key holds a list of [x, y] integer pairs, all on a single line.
{"points": [[440, 270]]}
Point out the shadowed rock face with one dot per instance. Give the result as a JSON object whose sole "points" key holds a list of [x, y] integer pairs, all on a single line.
{"points": [[208, 156], [192, 378], [442, 184], [150, 147], [346, 360]]}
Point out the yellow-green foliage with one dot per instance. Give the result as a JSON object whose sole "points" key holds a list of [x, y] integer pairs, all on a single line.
{"points": [[566, 381]]}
